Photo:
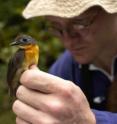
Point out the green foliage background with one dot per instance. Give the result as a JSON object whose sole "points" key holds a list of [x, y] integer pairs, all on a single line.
{"points": [[12, 24]]}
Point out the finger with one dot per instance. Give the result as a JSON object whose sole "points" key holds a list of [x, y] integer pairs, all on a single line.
{"points": [[21, 121], [31, 115], [24, 111], [43, 102], [28, 96], [49, 104], [42, 81]]}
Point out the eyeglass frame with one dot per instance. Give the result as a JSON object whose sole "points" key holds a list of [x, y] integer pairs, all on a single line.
{"points": [[72, 26]]}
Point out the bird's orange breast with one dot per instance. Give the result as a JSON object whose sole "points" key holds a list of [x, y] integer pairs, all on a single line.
{"points": [[31, 55]]}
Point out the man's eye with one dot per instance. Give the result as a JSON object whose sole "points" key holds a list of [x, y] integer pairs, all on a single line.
{"points": [[81, 23]]}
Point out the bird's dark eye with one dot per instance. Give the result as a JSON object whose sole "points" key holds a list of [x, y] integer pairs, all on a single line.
{"points": [[24, 40]]}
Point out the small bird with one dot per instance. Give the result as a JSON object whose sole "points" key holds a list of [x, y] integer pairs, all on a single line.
{"points": [[25, 56]]}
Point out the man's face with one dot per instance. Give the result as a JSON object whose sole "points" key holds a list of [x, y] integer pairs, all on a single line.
{"points": [[88, 36]]}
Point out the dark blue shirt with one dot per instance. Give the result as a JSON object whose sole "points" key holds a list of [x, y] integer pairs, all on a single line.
{"points": [[67, 68]]}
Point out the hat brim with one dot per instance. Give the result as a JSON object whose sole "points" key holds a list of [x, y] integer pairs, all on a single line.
{"points": [[64, 8]]}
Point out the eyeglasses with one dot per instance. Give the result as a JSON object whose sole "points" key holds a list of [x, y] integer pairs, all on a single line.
{"points": [[74, 25]]}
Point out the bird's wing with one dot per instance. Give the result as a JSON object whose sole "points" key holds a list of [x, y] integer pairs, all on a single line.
{"points": [[14, 64]]}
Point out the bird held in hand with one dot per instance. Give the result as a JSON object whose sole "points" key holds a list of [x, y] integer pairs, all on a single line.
{"points": [[25, 56]]}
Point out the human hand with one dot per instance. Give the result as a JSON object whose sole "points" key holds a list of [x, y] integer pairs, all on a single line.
{"points": [[46, 99]]}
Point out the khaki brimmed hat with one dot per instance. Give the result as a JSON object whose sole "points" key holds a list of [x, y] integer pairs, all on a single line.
{"points": [[66, 8]]}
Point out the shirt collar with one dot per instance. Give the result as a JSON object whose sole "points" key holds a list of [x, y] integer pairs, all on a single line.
{"points": [[110, 76], [95, 68]]}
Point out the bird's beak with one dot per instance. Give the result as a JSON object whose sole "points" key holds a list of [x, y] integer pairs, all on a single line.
{"points": [[14, 43]]}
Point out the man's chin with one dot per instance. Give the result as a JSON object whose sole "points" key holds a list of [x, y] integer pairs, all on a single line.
{"points": [[83, 60]]}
